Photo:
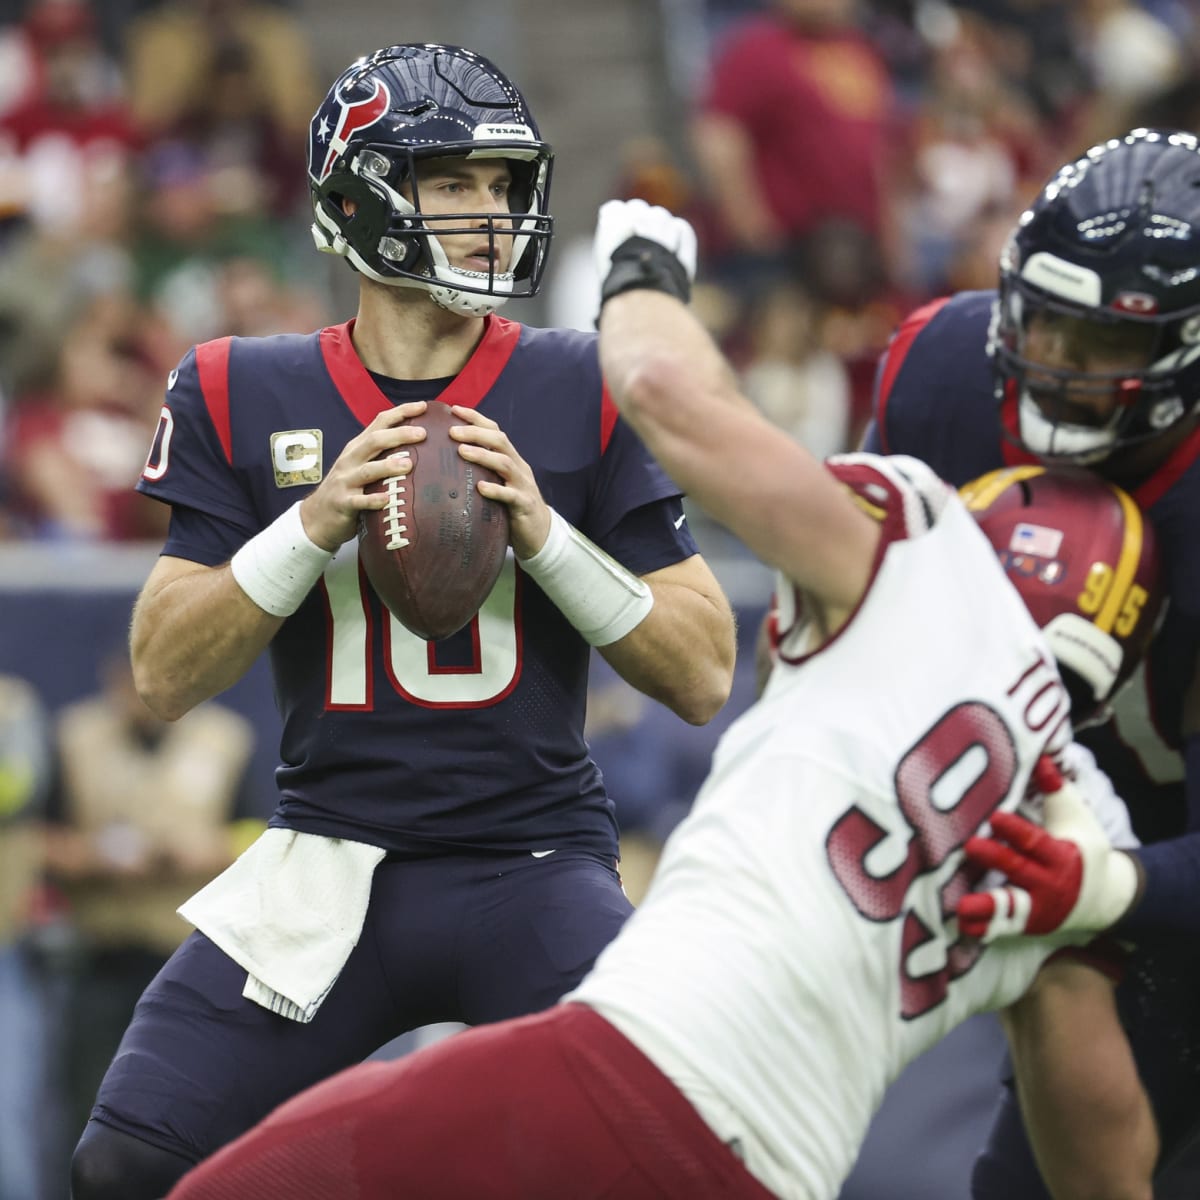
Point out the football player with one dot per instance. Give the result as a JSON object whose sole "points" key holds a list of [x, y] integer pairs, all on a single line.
{"points": [[1089, 353], [796, 946], [443, 848]]}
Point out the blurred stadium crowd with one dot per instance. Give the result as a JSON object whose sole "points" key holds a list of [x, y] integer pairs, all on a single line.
{"points": [[151, 185], [152, 196]]}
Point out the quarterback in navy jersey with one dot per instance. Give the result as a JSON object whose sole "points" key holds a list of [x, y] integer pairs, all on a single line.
{"points": [[443, 848], [1089, 353]]}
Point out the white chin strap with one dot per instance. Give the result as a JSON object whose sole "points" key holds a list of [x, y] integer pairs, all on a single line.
{"points": [[1095, 656], [466, 304], [329, 240], [1081, 444]]}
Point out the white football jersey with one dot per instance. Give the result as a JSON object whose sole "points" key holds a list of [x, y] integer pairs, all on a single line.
{"points": [[796, 950]]}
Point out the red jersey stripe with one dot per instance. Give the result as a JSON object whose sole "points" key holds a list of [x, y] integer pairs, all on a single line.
{"points": [[212, 366]]}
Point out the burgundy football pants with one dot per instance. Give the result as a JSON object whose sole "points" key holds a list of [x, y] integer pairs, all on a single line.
{"points": [[545, 1107]]}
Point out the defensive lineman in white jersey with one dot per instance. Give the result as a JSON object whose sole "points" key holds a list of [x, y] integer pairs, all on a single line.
{"points": [[796, 947], [795, 951]]}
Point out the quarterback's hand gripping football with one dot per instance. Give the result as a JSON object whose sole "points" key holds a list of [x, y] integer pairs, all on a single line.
{"points": [[640, 245], [1063, 877]]}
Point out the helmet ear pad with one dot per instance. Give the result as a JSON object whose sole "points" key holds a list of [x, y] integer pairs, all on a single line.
{"points": [[369, 223]]}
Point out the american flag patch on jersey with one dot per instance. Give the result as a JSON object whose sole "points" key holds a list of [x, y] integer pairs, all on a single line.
{"points": [[1036, 540]]}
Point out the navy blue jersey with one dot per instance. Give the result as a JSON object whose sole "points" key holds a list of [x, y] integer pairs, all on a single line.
{"points": [[472, 741], [935, 398]]}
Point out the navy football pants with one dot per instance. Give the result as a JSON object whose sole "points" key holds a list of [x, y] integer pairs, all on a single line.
{"points": [[471, 938]]}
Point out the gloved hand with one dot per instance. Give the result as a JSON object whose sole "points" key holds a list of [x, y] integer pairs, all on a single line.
{"points": [[638, 245], [1063, 876]]}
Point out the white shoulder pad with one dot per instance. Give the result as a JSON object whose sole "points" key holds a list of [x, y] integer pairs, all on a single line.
{"points": [[902, 487]]}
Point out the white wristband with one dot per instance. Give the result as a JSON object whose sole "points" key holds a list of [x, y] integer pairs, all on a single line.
{"points": [[278, 567], [593, 591]]}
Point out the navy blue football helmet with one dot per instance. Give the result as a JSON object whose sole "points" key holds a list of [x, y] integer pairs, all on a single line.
{"points": [[1110, 251], [385, 113]]}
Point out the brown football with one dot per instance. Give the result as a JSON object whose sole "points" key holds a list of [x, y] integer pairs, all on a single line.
{"points": [[434, 553]]}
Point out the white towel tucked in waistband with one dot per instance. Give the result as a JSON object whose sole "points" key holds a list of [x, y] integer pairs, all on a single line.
{"points": [[289, 910]]}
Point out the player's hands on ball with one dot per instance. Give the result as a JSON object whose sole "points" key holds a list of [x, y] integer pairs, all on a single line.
{"points": [[330, 514], [482, 441]]}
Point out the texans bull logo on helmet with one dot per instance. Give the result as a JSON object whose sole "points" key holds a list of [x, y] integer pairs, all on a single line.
{"points": [[339, 119]]}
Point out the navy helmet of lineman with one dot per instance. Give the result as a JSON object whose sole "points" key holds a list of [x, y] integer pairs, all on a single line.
{"points": [[1097, 325], [386, 113]]}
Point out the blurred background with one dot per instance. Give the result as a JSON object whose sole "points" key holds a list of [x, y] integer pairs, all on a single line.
{"points": [[153, 195]]}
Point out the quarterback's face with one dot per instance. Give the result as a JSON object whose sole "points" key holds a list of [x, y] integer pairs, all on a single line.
{"points": [[448, 187], [1096, 354]]}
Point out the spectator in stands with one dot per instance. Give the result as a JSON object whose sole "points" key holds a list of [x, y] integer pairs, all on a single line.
{"points": [[24, 781], [186, 234], [171, 52], [28, 43], [88, 428], [792, 132], [1132, 56], [860, 304], [1036, 49], [256, 162], [791, 376], [52, 272], [970, 130], [147, 812], [70, 119], [254, 302]]}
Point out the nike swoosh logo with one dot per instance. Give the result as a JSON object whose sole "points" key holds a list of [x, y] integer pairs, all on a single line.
{"points": [[541, 853], [679, 523]]}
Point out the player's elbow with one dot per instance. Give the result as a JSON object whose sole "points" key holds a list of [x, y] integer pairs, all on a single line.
{"points": [[157, 693], [705, 705], [702, 695]]}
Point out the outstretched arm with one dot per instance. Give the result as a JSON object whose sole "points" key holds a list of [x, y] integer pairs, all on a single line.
{"points": [[675, 388]]}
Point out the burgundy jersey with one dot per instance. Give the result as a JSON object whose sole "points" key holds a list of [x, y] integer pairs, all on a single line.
{"points": [[935, 399], [472, 741]]}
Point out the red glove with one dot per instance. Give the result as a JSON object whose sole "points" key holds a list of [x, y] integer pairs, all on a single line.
{"points": [[1063, 877]]}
